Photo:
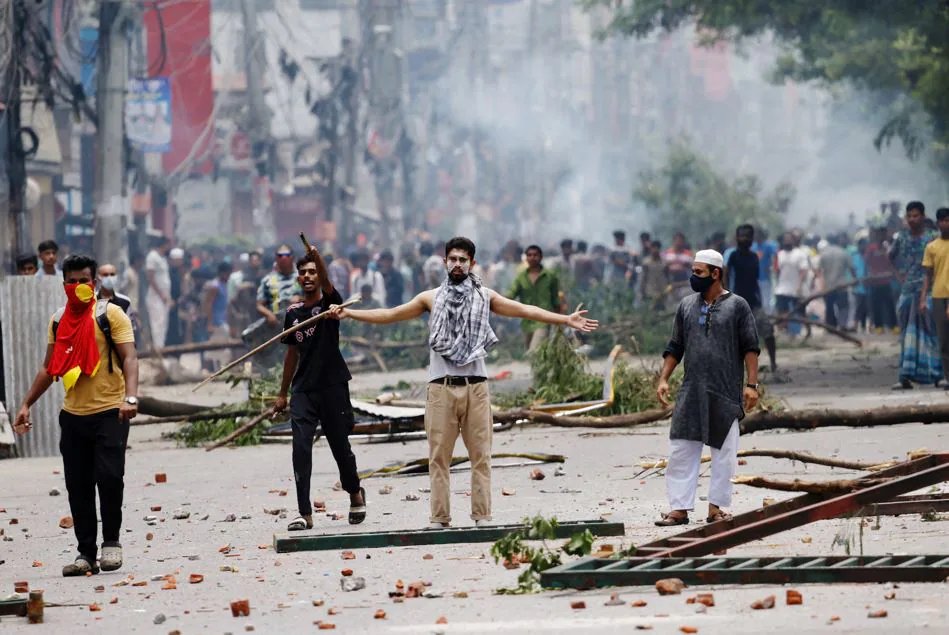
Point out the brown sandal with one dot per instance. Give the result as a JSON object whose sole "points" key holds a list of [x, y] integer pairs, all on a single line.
{"points": [[668, 520], [719, 516]]}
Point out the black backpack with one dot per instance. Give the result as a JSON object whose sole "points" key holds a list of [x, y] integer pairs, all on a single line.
{"points": [[102, 320]]}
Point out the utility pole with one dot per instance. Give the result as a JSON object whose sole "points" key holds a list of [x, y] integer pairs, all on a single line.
{"points": [[110, 242], [258, 118], [386, 71], [17, 238]]}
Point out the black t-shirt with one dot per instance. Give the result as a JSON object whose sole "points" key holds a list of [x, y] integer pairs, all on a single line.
{"points": [[743, 274], [321, 364]]}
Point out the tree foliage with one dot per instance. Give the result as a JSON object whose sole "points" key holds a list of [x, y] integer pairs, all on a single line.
{"points": [[896, 48], [690, 196]]}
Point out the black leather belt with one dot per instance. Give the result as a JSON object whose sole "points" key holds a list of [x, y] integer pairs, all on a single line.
{"points": [[453, 380]]}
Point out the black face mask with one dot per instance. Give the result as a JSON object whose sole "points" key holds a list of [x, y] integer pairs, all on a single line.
{"points": [[701, 285], [744, 244]]}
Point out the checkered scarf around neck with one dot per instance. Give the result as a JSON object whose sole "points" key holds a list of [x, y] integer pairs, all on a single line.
{"points": [[459, 328]]}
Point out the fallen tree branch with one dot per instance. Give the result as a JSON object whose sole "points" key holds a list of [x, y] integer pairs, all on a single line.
{"points": [[810, 487], [241, 431], [613, 421], [195, 347], [802, 457], [420, 466], [820, 418], [161, 408], [205, 415], [833, 330]]}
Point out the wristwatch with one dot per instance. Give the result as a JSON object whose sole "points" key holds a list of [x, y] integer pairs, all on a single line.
{"points": [[752, 386], [132, 401]]}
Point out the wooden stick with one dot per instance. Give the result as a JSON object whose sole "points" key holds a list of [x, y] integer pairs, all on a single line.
{"points": [[273, 340], [306, 243], [802, 457], [208, 415], [820, 418], [244, 429], [615, 421], [811, 487], [198, 347], [780, 319]]}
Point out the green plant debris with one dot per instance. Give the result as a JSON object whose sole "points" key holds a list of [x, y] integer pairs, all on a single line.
{"points": [[513, 552]]}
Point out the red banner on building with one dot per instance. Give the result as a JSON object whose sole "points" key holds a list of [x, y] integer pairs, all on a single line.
{"points": [[179, 48]]}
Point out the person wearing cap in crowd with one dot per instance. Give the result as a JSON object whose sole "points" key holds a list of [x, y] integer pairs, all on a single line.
{"points": [[715, 337]]}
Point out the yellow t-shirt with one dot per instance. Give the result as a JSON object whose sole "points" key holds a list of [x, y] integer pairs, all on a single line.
{"points": [[104, 390], [936, 257]]}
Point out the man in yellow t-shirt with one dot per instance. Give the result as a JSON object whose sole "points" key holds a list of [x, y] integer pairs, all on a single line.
{"points": [[100, 400], [936, 265]]}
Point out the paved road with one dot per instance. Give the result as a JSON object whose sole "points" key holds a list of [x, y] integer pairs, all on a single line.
{"points": [[600, 482]]}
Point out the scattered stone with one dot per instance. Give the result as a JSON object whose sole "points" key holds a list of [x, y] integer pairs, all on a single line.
{"points": [[428, 556], [114, 600], [411, 497], [94, 607], [442, 620], [37, 563], [670, 586], [643, 627], [706, 599], [414, 590], [579, 604], [149, 536], [65, 522], [560, 471], [765, 603], [794, 598], [14, 521], [274, 512], [348, 555], [195, 578], [140, 583], [326, 626], [877, 614], [319, 602], [54, 492], [230, 518], [768, 501], [21, 586], [614, 600], [352, 584], [346, 572], [384, 491], [319, 506], [460, 595], [161, 477], [890, 596], [155, 508], [688, 629], [337, 487], [807, 540], [332, 611], [638, 603], [379, 615], [537, 474], [240, 608], [159, 619], [181, 514], [99, 589], [433, 595], [508, 492]]}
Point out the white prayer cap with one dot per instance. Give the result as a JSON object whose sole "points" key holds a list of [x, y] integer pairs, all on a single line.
{"points": [[710, 257], [176, 253]]}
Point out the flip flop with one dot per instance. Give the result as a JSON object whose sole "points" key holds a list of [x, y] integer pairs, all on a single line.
{"points": [[357, 514], [299, 524], [718, 517], [668, 520]]}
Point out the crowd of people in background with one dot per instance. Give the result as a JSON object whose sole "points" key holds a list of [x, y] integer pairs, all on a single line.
{"points": [[867, 280]]}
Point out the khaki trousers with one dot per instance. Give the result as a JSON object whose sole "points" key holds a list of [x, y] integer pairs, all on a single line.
{"points": [[450, 410]]}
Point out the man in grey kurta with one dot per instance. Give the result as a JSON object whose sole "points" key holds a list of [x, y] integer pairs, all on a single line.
{"points": [[714, 335]]}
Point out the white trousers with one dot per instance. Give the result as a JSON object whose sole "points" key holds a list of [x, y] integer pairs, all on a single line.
{"points": [[157, 318], [682, 473]]}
